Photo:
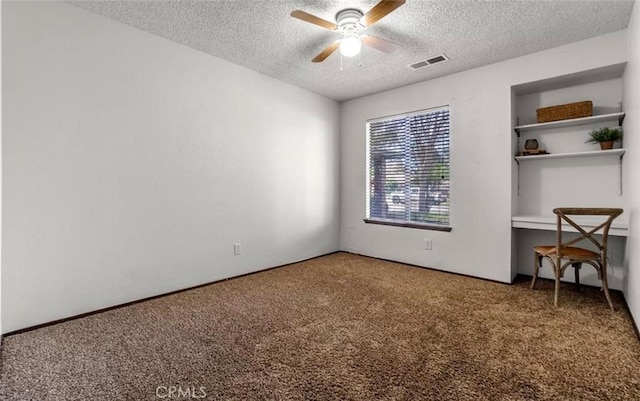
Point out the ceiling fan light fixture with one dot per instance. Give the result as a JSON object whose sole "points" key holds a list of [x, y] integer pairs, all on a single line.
{"points": [[350, 46], [350, 22]]}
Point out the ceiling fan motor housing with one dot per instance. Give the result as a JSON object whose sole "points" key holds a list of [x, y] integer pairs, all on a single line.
{"points": [[349, 21]]}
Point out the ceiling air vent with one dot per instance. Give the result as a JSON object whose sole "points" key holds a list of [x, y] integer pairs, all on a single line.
{"points": [[430, 61]]}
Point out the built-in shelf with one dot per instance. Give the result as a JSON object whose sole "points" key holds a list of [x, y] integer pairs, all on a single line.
{"points": [[611, 152], [574, 174], [619, 227], [572, 122]]}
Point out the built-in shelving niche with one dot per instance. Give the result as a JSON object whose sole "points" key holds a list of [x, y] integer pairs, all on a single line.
{"points": [[574, 173]]}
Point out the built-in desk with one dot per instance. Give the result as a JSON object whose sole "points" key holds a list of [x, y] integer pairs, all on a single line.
{"points": [[619, 227]]}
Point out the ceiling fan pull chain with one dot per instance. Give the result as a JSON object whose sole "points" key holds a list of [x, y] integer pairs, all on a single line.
{"points": [[340, 61], [360, 60]]}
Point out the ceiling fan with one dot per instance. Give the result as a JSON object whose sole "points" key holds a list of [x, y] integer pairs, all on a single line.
{"points": [[350, 23]]}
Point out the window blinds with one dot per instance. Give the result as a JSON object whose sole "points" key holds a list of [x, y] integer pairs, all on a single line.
{"points": [[408, 168]]}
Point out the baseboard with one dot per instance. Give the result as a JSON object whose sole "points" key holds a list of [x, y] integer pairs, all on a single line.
{"points": [[166, 294], [58, 321], [429, 268], [624, 299], [633, 321], [517, 277]]}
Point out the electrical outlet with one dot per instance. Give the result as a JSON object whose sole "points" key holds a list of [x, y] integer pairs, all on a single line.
{"points": [[236, 249], [427, 244]]}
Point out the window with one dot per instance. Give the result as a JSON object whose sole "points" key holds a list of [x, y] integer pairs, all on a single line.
{"points": [[408, 170]]}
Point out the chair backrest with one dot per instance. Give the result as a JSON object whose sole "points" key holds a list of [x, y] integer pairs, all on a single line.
{"points": [[564, 213]]}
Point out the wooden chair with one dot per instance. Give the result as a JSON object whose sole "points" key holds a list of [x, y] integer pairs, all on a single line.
{"points": [[574, 256]]}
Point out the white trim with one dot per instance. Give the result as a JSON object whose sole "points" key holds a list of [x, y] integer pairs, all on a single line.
{"points": [[409, 114]]}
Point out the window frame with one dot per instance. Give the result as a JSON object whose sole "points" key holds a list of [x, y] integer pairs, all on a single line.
{"points": [[403, 222]]}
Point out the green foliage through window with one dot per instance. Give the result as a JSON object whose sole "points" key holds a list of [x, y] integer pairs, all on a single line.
{"points": [[409, 171]]}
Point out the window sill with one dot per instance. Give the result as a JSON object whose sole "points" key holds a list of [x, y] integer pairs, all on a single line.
{"points": [[421, 226]]}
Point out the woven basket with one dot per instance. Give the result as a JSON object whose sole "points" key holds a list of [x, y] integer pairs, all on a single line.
{"points": [[565, 111]]}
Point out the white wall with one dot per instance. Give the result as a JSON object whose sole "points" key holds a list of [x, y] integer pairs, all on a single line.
{"points": [[132, 164], [481, 159], [631, 102]]}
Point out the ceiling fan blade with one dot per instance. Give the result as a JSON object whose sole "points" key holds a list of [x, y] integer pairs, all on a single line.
{"points": [[379, 44], [380, 10], [313, 19], [326, 52]]}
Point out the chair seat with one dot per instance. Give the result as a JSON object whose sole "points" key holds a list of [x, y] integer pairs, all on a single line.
{"points": [[562, 255], [568, 252]]}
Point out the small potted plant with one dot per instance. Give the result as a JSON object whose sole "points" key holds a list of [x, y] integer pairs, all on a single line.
{"points": [[605, 137]]}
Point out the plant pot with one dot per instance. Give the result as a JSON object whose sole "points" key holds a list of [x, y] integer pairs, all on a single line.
{"points": [[606, 145]]}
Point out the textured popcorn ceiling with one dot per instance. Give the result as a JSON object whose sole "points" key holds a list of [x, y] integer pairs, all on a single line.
{"points": [[261, 35]]}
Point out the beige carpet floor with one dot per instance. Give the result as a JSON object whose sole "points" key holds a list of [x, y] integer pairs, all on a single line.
{"points": [[339, 327]]}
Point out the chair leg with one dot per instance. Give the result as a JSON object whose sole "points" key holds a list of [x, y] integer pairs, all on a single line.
{"points": [[605, 287], [537, 261], [576, 268], [556, 270]]}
